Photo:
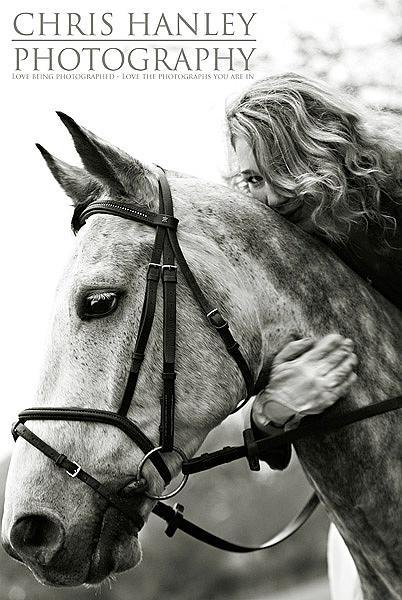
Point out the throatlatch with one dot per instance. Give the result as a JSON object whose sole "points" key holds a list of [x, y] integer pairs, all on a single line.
{"points": [[165, 254]]}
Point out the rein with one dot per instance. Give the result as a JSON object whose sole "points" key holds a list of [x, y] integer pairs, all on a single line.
{"points": [[165, 254]]}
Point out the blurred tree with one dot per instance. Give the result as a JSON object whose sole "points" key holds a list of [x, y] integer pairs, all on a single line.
{"points": [[370, 69]]}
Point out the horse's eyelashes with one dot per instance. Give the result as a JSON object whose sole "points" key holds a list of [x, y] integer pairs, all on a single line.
{"points": [[99, 304]]}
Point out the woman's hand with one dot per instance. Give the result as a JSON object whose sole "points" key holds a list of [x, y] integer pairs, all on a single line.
{"points": [[307, 377]]}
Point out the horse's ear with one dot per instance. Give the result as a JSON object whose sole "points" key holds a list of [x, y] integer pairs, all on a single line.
{"points": [[114, 167], [79, 185]]}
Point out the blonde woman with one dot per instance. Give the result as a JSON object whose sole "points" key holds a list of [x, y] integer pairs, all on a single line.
{"points": [[333, 168]]}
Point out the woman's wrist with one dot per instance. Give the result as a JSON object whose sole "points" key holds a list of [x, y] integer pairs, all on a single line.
{"points": [[268, 411]]}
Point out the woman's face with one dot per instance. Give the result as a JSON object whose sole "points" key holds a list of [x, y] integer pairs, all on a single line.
{"points": [[258, 187]]}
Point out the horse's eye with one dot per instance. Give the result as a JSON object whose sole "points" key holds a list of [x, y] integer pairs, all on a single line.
{"points": [[99, 304]]}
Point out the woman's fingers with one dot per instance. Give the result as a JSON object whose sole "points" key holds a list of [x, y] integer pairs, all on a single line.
{"points": [[333, 360], [342, 371], [343, 388], [326, 345], [329, 395], [294, 349], [337, 359], [348, 344]]}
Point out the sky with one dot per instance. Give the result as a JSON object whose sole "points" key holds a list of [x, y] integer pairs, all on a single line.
{"points": [[178, 124]]}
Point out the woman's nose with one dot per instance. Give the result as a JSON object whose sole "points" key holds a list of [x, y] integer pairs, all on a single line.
{"points": [[259, 194]]}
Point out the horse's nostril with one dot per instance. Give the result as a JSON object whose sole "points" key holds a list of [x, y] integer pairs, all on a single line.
{"points": [[37, 537]]}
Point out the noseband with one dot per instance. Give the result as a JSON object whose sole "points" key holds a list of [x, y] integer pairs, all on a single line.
{"points": [[166, 257]]}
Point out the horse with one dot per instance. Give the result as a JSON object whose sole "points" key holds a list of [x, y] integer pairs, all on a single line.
{"points": [[271, 281]]}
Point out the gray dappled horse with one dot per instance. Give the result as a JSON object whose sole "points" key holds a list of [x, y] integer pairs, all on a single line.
{"points": [[271, 280]]}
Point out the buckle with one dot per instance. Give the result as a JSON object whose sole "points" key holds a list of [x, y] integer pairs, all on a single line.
{"points": [[153, 271], [216, 319], [76, 470], [169, 273]]}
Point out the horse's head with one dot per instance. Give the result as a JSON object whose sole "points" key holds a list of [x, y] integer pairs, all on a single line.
{"points": [[58, 526]]}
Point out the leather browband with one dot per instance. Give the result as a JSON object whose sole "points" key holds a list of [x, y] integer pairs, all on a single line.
{"points": [[128, 211]]}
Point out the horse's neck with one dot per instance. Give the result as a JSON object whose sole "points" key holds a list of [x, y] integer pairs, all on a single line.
{"points": [[292, 285], [302, 289], [307, 291]]}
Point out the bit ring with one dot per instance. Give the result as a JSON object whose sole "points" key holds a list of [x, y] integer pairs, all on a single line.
{"points": [[140, 475]]}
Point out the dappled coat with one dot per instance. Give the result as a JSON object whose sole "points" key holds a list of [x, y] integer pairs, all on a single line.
{"points": [[376, 256]]}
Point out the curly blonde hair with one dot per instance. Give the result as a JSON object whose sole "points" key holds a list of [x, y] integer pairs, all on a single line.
{"points": [[317, 146]]}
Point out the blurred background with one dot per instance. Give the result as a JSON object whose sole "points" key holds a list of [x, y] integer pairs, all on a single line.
{"points": [[352, 44]]}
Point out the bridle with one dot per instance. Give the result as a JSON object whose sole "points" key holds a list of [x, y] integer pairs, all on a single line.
{"points": [[166, 252], [166, 257]]}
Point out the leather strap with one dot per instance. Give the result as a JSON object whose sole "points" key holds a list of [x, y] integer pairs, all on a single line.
{"points": [[175, 520], [145, 326], [169, 280], [100, 416], [76, 471], [211, 312], [173, 516], [310, 426], [213, 315]]}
